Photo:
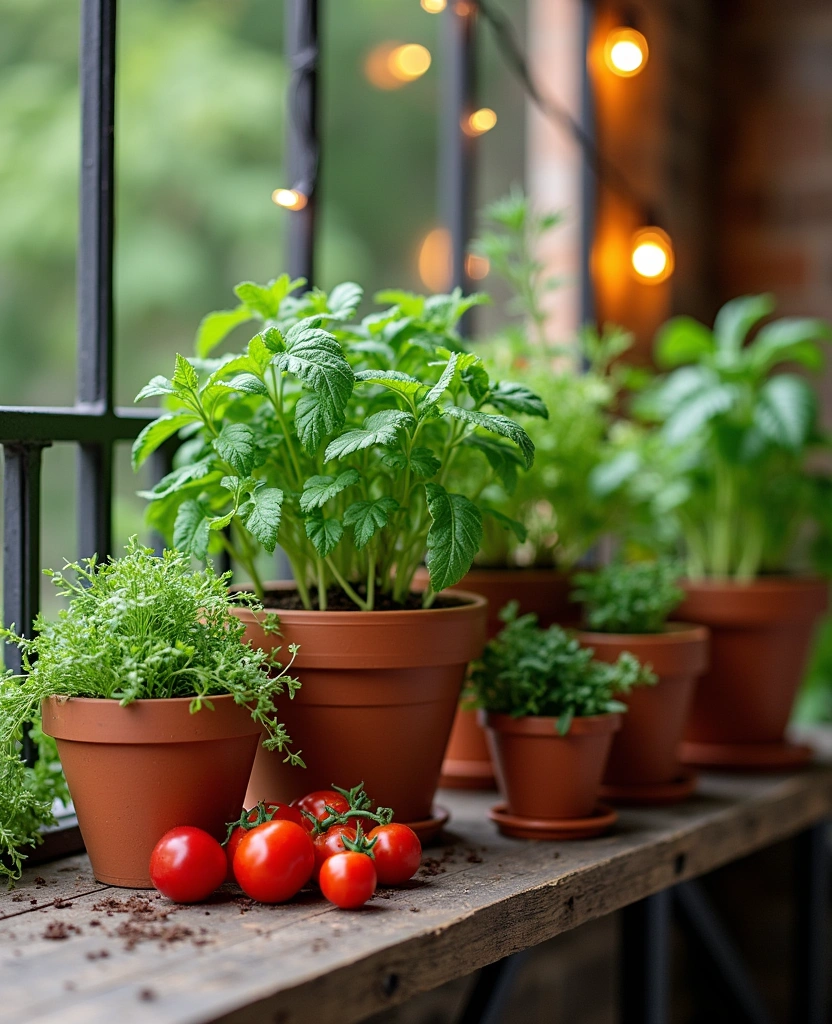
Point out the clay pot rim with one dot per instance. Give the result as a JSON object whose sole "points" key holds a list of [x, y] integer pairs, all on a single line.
{"points": [[533, 574], [545, 725], [673, 634], [65, 698], [314, 616], [774, 583]]}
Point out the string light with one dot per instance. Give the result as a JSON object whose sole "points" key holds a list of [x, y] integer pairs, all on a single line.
{"points": [[390, 66], [625, 52], [289, 198], [434, 260], [652, 255], [480, 122], [434, 6], [477, 267]]}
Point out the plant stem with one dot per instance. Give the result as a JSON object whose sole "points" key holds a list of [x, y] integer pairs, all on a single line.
{"points": [[348, 590]]}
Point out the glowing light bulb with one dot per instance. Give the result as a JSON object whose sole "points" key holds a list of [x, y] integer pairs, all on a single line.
{"points": [[390, 65], [652, 255], [480, 122], [434, 6], [435, 260], [625, 52], [477, 267], [289, 198]]}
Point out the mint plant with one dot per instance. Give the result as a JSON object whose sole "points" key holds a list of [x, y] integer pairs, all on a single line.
{"points": [[635, 598], [526, 670], [339, 441]]}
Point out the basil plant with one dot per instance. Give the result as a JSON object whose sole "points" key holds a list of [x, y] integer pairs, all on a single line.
{"points": [[337, 440]]}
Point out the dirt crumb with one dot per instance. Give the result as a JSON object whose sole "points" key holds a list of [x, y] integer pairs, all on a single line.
{"points": [[58, 930]]}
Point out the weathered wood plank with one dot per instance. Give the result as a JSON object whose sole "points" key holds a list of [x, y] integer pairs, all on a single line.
{"points": [[483, 896]]}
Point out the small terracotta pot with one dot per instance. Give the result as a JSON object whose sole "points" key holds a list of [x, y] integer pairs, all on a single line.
{"points": [[134, 772], [760, 638], [378, 695], [645, 750], [542, 591], [543, 775]]}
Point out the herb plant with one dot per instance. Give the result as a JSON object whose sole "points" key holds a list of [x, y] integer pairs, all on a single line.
{"points": [[338, 441], [138, 627], [745, 431], [636, 598], [526, 670]]}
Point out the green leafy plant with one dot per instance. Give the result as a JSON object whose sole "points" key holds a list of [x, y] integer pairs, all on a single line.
{"points": [[526, 670], [338, 441], [562, 515], [635, 598], [137, 627], [745, 431]]}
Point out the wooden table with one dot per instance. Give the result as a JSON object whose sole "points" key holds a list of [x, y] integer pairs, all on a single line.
{"points": [[77, 952]]}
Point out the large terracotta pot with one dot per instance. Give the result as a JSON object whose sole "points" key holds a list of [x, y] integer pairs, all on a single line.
{"points": [[378, 695], [134, 772], [545, 592], [644, 760], [545, 776], [760, 637]]}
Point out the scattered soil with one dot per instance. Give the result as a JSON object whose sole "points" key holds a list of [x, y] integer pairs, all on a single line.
{"points": [[145, 922], [58, 930], [337, 601]]}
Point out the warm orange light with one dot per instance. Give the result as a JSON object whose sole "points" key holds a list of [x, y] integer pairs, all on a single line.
{"points": [[625, 52], [390, 65], [289, 198], [480, 122], [651, 255], [463, 8], [435, 260], [434, 6], [477, 267]]}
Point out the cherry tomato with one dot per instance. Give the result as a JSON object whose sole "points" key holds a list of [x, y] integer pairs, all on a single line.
{"points": [[315, 804], [397, 852], [348, 879], [274, 861], [278, 812], [187, 865], [329, 843]]}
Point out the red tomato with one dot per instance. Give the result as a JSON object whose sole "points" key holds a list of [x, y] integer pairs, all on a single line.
{"points": [[315, 804], [397, 852], [278, 812], [348, 879], [329, 843], [274, 861], [187, 865]]}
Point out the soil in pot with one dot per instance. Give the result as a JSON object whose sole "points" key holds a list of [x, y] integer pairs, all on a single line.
{"points": [[545, 592], [545, 777], [644, 765], [378, 698], [761, 634], [134, 772]]}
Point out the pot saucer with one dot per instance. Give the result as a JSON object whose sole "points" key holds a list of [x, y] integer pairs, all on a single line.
{"points": [[431, 827], [781, 756], [600, 821], [467, 775], [655, 794]]}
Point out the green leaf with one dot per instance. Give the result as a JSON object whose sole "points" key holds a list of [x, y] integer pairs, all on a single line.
{"points": [[318, 490], [220, 522], [157, 386], [424, 463], [454, 537], [215, 327], [324, 533], [273, 340], [380, 428], [475, 379], [502, 459], [261, 515], [185, 376], [257, 299], [786, 411], [792, 339], [682, 340], [607, 477], [156, 433], [368, 517], [393, 380], [441, 386], [510, 397], [191, 529], [182, 477], [735, 320], [700, 407], [506, 522], [497, 425], [236, 445], [248, 384], [314, 419], [315, 358], [344, 300]]}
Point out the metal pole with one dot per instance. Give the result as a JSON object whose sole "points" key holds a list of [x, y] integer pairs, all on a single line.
{"points": [[589, 178], [810, 984], [303, 153], [644, 987]]}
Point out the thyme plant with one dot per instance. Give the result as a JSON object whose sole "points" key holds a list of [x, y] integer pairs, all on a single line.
{"points": [[636, 598]]}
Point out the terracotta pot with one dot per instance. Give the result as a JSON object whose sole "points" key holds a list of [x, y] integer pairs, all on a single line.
{"points": [[542, 591], [760, 638], [645, 749], [546, 776], [134, 772], [378, 695]]}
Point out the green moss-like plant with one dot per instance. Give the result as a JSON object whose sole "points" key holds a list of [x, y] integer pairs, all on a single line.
{"points": [[621, 598]]}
